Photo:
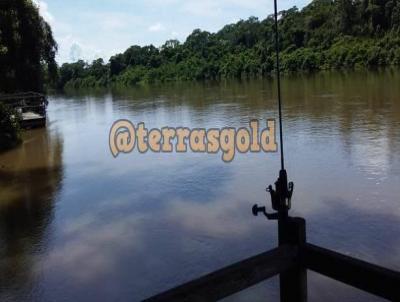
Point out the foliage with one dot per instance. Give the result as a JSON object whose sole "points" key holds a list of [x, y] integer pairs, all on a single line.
{"points": [[27, 48], [326, 34], [10, 131]]}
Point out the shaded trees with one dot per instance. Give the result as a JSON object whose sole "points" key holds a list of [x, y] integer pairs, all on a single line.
{"points": [[325, 34], [9, 127], [27, 47]]}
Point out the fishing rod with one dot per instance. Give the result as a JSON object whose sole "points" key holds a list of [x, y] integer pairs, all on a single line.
{"points": [[282, 194], [278, 80]]}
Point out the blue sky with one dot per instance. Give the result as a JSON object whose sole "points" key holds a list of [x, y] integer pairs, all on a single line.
{"points": [[89, 29]]}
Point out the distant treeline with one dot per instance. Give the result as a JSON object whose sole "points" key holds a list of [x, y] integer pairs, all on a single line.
{"points": [[325, 34]]}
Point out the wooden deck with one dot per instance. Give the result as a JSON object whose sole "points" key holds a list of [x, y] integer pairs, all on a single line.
{"points": [[30, 105], [32, 120]]}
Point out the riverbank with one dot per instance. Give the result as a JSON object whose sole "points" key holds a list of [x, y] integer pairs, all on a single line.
{"points": [[10, 129], [324, 35]]}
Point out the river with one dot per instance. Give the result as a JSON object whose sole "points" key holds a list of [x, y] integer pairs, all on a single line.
{"points": [[77, 224]]}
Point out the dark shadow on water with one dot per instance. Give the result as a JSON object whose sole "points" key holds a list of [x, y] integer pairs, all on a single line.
{"points": [[372, 236], [130, 235], [30, 178]]}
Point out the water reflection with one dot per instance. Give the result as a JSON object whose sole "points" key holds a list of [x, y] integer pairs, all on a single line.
{"points": [[126, 228], [30, 177]]}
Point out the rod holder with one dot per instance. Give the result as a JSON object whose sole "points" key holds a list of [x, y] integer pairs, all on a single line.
{"points": [[281, 198]]}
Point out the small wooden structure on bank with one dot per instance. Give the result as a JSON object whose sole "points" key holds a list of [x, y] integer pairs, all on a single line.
{"points": [[30, 105]]}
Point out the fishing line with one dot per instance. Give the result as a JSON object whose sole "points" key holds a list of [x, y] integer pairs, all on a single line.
{"points": [[278, 76]]}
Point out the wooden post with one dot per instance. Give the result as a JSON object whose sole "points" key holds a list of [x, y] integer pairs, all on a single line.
{"points": [[293, 283]]}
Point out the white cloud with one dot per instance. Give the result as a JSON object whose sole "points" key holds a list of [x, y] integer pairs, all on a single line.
{"points": [[101, 34], [111, 21], [72, 49], [212, 8], [44, 11], [206, 8], [157, 27], [102, 31], [75, 52], [174, 35]]}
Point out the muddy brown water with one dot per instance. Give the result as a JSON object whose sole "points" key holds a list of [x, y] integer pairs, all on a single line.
{"points": [[77, 224]]}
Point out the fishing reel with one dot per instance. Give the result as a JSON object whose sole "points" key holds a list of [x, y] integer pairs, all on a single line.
{"points": [[281, 198]]}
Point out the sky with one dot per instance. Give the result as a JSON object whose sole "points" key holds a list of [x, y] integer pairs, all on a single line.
{"points": [[91, 29]]}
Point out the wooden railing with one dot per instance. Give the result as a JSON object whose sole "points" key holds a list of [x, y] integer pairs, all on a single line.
{"points": [[290, 261], [20, 95], [368, 277], [234, 278], [24, 99]]}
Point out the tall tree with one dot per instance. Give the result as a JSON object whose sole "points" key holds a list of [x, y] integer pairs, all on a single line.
{"points": [[27, 47]]}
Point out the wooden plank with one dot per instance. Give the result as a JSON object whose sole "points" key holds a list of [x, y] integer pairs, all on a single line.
{"points": [[26, 116], [32, 120], [20, 95], [21, 99], [234, 278], [368, 277]]}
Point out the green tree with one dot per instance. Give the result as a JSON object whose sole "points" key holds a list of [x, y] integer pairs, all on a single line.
{"points": [[324, 34], [27, 47], [10, 132]]}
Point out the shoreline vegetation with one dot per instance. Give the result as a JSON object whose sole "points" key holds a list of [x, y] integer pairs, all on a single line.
{"points": [[27, 60], [10, 130], [325, 35]]}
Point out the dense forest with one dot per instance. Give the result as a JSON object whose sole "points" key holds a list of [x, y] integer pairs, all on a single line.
{"points": [[27, 59], [27, 48], [325, 34]]}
